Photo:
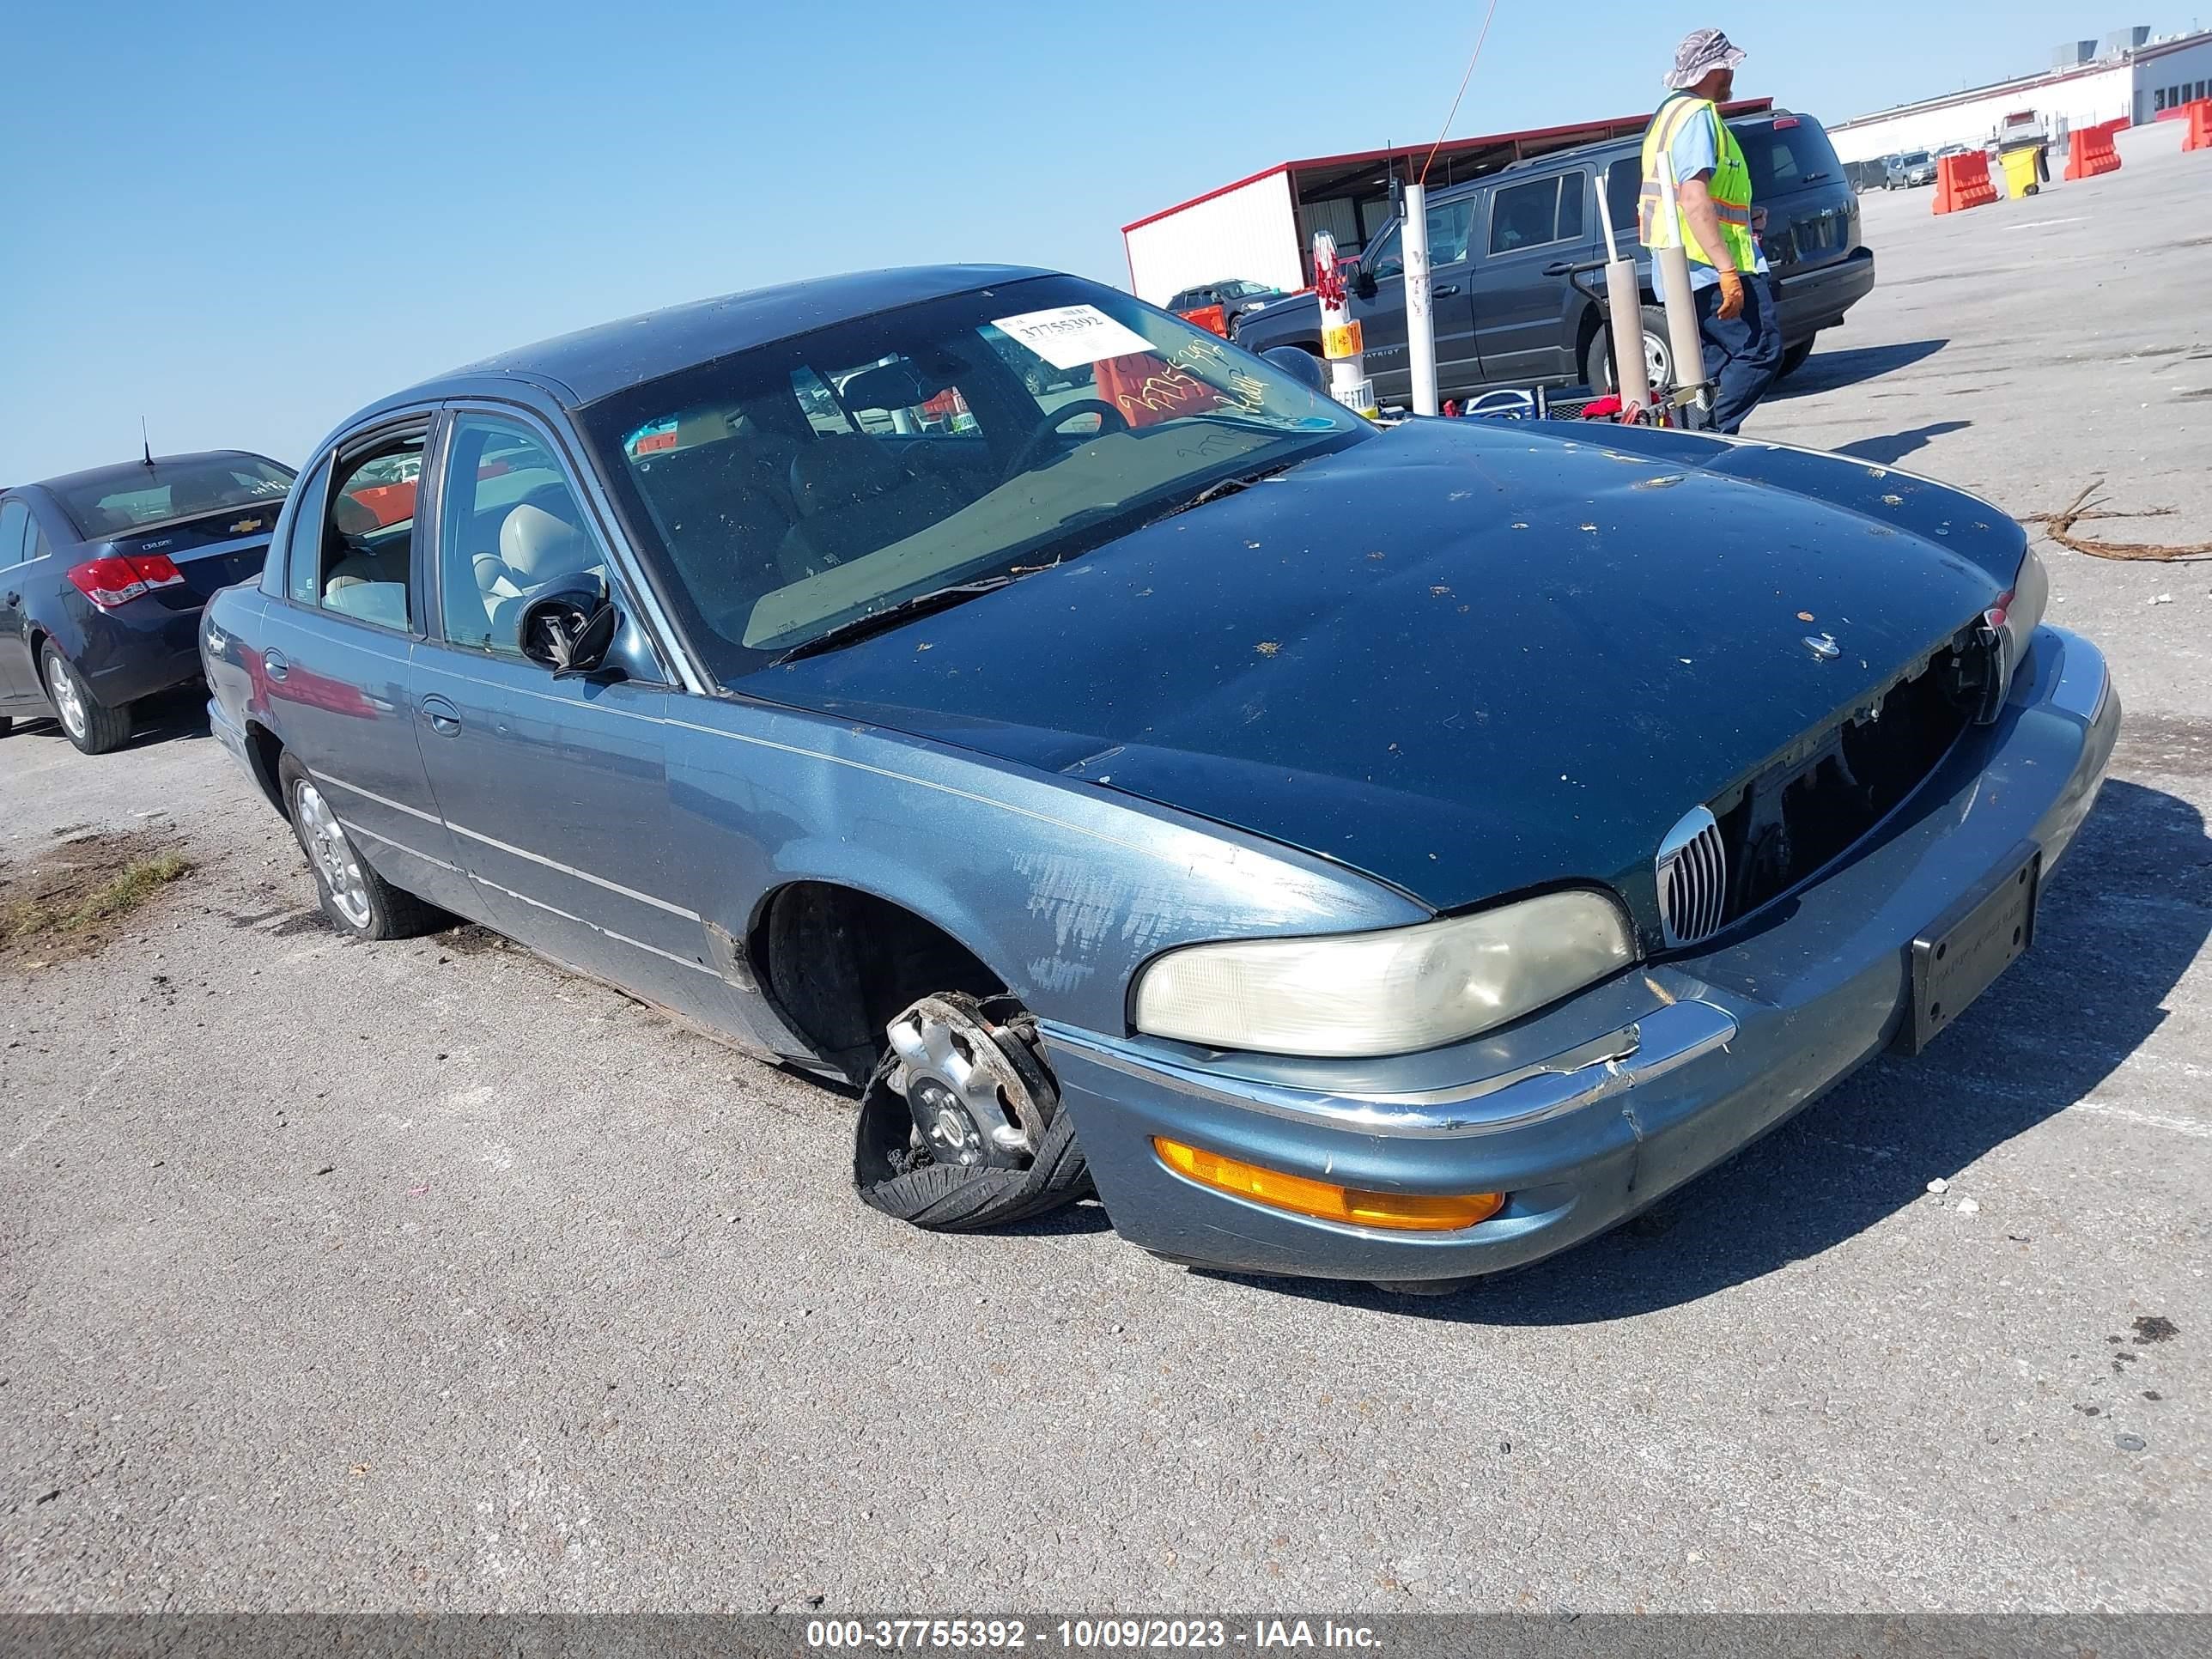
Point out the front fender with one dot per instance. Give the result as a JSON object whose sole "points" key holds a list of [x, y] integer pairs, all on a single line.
{"points": [[1062, 889]]}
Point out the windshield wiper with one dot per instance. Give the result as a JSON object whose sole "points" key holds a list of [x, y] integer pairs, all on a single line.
{"points": [[1220, 487], [876, 621]]}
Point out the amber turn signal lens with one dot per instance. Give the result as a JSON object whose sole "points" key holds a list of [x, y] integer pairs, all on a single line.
{"points": [[1412, 1213]]}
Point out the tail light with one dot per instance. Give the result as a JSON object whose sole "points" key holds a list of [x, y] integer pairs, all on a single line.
{"points": [[118, 580]]}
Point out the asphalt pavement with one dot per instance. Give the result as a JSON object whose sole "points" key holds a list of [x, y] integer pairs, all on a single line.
{"points": [[427, 1276]]}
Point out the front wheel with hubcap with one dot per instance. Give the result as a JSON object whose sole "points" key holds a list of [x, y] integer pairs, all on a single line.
{"points": [[357, 900], [91, 727], [1658, 354], [961, 1127]]}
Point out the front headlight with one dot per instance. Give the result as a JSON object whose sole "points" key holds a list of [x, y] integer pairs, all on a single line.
{"points": [[2012, 622], [1389, 993]]}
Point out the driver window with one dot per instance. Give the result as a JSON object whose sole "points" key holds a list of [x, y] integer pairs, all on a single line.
{"points": [[1385, 258], [367, 548], [510, 528]]}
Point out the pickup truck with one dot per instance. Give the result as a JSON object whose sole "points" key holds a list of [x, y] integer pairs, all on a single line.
{"points": [[1500, 247]]}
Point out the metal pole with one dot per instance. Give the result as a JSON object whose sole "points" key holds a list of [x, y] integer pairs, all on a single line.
{"points": [[1674, 262], [1624, 331], [1420, 317]]}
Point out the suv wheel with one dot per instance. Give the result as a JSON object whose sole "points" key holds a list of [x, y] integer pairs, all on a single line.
{"points": [[1793, 358], [89, 725], [1658, 354]]}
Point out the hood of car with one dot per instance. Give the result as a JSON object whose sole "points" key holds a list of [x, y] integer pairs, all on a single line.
{"points": [[1468, 658]]}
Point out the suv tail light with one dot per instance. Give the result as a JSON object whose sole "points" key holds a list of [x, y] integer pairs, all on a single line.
{"points": [[116, 580]]}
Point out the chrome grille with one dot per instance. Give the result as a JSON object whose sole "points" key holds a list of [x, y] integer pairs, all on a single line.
{"points": [[1693, 878]]}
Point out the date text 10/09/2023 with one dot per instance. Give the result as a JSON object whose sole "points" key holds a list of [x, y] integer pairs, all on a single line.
{"points": [[1084, 1635]]}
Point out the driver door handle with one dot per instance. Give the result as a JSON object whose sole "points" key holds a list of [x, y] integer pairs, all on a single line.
{"points": [[443, 718], [274, 665], [1444, 291]]}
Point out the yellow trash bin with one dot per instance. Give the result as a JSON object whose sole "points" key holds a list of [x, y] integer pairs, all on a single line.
{"points": [[2025, 170]]}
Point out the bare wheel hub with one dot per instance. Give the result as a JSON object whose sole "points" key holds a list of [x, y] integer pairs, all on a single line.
{"points": [[971, 1104]]}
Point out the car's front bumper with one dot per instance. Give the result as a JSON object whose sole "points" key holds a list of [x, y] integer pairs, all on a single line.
{"points": [[1591, 1111]]}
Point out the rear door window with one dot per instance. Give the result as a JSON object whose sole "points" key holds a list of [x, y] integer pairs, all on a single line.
{"points": [[14, 530], [294, 564], [1538, 213], [365, 556]]}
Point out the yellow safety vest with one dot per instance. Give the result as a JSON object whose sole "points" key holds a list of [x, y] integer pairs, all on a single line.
{"points": [[1729, 187]]}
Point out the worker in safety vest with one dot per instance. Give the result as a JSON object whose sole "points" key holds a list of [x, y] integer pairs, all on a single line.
{"points": [[1716, 224]]}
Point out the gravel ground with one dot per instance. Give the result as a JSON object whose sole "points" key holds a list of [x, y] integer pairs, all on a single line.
{"points": [[427, 1277]]}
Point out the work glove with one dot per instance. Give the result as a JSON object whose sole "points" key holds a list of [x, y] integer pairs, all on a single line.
{"points": [[1731, 306]]}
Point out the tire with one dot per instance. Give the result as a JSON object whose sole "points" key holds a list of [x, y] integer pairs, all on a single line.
{"points": [[85, 722], [894, 1173], [1793, 358], [1597, 367], [358, 901], [7, 725]]}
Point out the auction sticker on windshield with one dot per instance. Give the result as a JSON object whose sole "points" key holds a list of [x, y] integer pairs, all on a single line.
{"points": [[1068, 337]]}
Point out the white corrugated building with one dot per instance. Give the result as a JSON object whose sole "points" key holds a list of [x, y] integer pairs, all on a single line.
{"points": [[2137, 80]]}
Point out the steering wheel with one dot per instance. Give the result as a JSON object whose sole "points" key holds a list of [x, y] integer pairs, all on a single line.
{"points": [[1056, 418]]}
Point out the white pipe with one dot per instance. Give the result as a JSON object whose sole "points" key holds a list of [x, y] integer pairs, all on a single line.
{"points": [[1420, 314], [1624, 305], [1673, 262], [1625, 315]]}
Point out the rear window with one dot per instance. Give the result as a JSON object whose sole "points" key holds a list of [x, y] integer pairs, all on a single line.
{"points": [[1786, 158], [121, 499]]}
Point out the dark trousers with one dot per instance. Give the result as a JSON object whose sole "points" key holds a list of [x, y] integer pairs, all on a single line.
{"points": [[1743, 354]]}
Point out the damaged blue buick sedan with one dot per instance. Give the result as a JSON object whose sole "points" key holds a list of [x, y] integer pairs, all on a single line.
{"points": [[1393, 853]]}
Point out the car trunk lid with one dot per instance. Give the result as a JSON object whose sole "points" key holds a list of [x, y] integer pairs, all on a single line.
{"points": [[210, 551]]}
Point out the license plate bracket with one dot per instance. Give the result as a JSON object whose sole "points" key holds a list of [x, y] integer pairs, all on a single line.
{"points": [[1959, 955]]}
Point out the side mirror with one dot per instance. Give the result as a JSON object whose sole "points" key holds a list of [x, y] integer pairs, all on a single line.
{"points": [[569, 632], [1299, 364], [1362, 282]]}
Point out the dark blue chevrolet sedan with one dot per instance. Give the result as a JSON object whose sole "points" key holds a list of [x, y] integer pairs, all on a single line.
{"points": [[102, 576], [1393, 853]]}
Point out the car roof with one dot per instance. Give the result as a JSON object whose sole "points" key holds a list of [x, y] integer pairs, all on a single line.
{"points": [[1584, 155], [92, 475], [594, 362]]}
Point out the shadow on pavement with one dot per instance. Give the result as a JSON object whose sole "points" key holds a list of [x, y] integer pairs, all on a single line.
{"points": [[1893, 447], [165, 717], [1824, 370], [2134, 898]]}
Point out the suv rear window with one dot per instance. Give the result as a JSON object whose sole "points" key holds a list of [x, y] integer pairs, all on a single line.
{"points": [[1787, 158]]}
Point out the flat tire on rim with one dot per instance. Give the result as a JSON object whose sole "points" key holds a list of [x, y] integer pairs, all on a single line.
{"points": [[961, 1125]]}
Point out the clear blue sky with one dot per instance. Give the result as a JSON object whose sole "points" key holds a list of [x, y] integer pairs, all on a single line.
{"points": [[244, 220]]}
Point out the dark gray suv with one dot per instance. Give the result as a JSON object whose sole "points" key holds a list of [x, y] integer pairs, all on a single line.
{"points": [[1500, 247]]}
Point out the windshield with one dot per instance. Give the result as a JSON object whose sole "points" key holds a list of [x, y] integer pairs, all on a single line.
{"points": [[119, 499], [794, 489], [1918, 158]]}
